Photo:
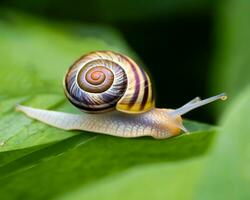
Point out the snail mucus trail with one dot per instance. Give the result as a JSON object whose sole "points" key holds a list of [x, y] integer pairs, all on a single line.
{"points": [[117, 99]]}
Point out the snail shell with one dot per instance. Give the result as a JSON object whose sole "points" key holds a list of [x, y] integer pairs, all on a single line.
{"points": [[103, 80]]}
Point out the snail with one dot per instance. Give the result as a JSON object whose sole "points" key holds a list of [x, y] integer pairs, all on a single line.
{"points": [[117, 99]]}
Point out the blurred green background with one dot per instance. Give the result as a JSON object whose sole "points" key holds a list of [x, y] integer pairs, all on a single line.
{"points": [[190, 47]]}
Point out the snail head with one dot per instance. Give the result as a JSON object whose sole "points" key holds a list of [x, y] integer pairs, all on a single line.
{"points": [[174, 115]]}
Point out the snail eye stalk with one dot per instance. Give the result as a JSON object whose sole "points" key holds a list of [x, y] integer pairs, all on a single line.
{"points": [[195, 103]]}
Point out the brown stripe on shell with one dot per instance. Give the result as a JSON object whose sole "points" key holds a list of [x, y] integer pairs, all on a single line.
{"points": [[137, 82], [146, 90]]}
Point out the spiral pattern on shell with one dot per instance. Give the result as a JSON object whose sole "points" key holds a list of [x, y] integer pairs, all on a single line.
{"points": [[104, 80]]}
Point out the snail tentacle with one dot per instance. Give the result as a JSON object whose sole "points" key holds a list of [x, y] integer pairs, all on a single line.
{"points": [[196, 99]]}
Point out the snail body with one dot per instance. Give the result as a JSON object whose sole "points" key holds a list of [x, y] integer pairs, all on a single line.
{"points": [[117, 98], [155, 123]]}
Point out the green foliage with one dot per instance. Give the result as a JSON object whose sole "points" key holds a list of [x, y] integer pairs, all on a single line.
{"points": [[86, 158]]}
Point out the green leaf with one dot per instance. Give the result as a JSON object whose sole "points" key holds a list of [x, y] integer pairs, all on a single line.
{"points": [[175, 180], [84, 159]]}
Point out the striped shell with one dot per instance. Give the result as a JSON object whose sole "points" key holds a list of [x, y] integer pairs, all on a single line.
{"points": [[105, 80]]}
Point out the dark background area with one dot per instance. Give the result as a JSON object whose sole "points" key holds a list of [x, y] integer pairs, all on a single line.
{"points": [[177, 53], [174, 40]]}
